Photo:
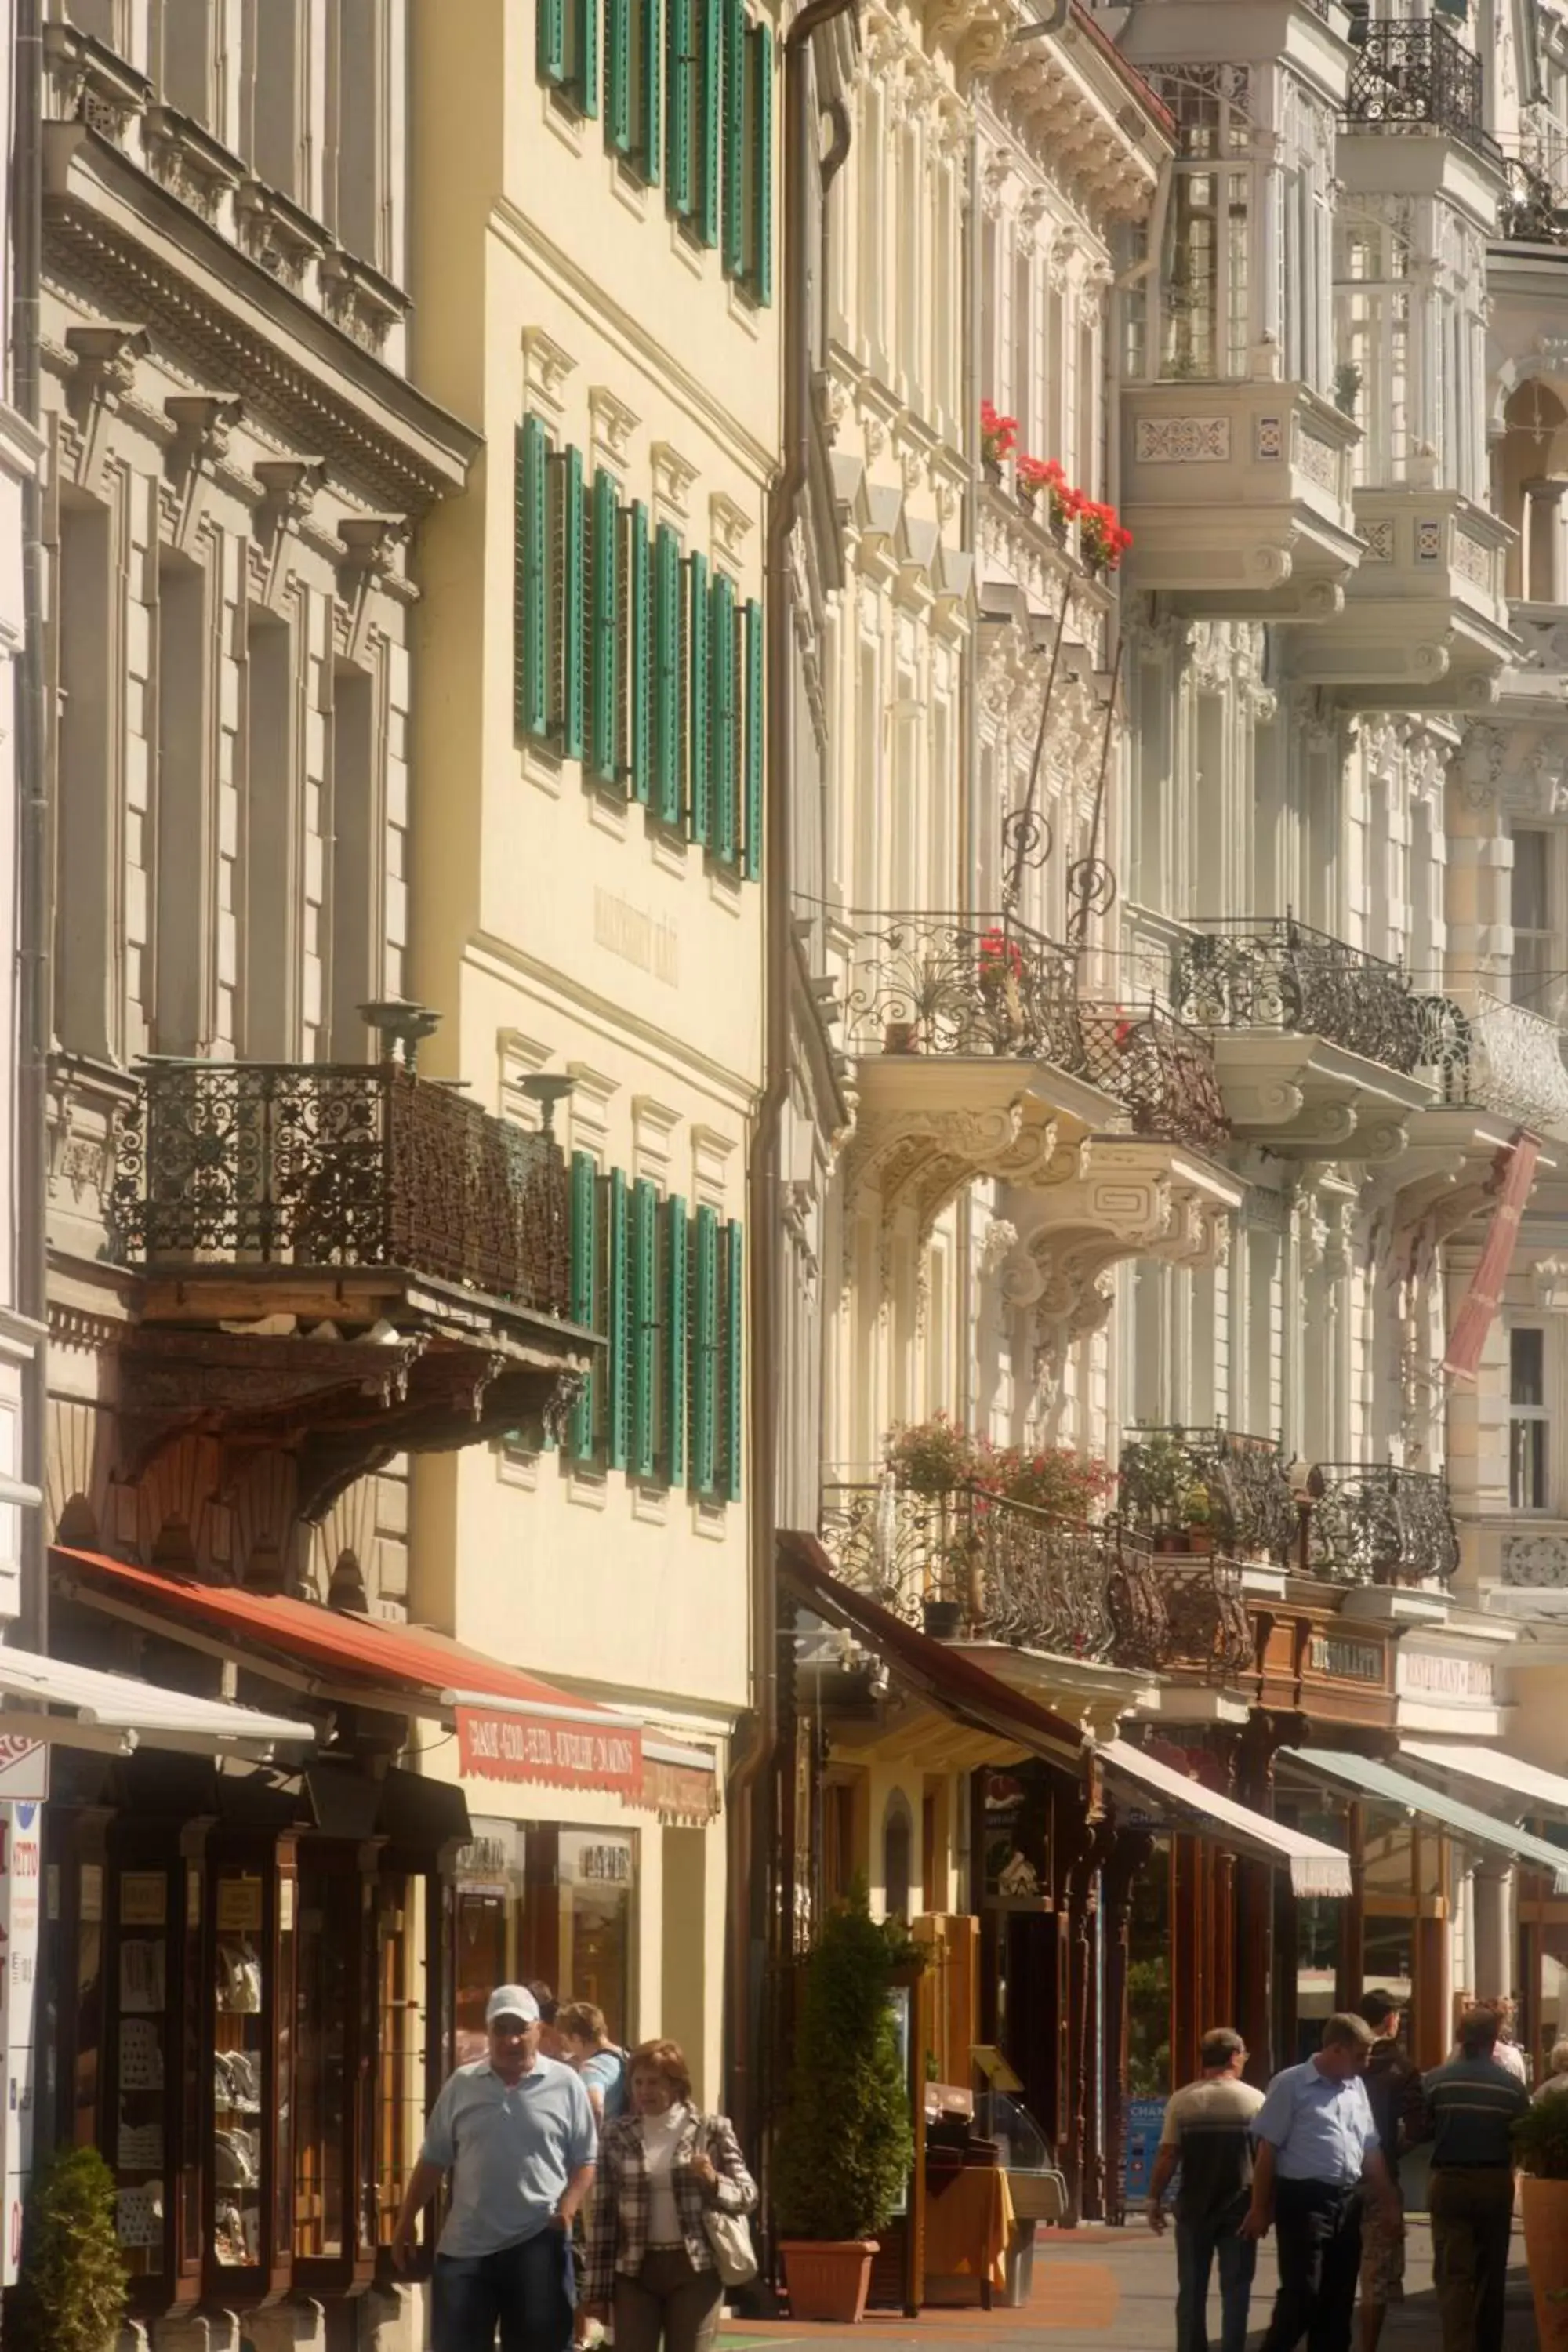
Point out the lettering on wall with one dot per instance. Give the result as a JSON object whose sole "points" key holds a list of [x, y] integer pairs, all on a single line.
{"points": [[1435, 1674], [1347, 1661], [636, 936]]}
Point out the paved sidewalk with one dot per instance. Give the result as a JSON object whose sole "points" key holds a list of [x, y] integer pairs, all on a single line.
{"points": [[1114, 2291]]}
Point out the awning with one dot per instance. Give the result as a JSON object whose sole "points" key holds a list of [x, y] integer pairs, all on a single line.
{"points": [[1315, 1868], [510, 1725], [951, 1682], [1365, 1778], [1505, 1775], [50, 1701]]}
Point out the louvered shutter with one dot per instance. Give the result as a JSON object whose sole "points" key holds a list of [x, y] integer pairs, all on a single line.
{"points": [[677, 1324], [699, 802], [585, 63], [618, 75], [571, 631], [583, 1288], [603, 661], [705, 1351], [549, 35], [731, 1394], [650, 133], [732, 142], [756, 743], [640, 654], [760, 128], [722, 769], [681, 88], [646, 1330], [710, 78], [619, 1369], [530, 675], [667, 676]]}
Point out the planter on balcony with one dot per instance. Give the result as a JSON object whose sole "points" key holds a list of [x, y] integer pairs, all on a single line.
{"points": [[943, 1621], [1241, 1480]]}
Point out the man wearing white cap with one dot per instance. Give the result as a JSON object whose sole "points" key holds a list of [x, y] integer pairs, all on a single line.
{"points": [[516, 2132]]}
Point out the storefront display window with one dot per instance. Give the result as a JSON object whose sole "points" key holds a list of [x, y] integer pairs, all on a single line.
{"points": [[597, 1885], [241, 2069], [147, 2056], [328, 1927], [490, 1904], [401, 1981]]}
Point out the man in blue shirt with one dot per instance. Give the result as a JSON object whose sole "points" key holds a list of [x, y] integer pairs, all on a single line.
{"points": [[1317, 2142], [516, 2132]]}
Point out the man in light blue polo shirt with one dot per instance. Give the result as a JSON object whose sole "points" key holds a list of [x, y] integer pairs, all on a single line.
{"points": [[516, 2132], [1317, 2142]]}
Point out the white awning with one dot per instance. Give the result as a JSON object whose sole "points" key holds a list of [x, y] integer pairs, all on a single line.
{"points": [[1500, 1775], [116, 1713], [1315, 1868]]}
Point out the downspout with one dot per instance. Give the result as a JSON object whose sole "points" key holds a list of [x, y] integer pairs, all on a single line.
{"points": [[753, 1876], [35, 895], [969, 806]]}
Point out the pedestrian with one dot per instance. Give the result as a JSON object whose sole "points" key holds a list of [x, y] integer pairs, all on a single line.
{"points": [[550, 2040], [516, 2133], [1508, 2054], [1473, 2103], [663, 2171], [1208, 2133], [1393, 2089], [1556, 2072], [1317, 2144], [601, 2064]]}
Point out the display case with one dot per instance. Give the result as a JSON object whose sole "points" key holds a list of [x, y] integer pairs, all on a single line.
{"points": [[1039, 2190], [253, 1912]]}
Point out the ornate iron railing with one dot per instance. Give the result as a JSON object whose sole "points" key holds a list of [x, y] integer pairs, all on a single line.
{"points": [[1370, 1523], [1158, 1068], [942, 983], [1414, 72], [331, 1164], [1277, 973], [1234, 1487], [1207, 1614], [1484, 1052], [1535, 208]]}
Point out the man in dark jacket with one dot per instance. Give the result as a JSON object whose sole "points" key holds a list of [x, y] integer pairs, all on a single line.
{"points": [[1473, 2103], [1392, 2083]]}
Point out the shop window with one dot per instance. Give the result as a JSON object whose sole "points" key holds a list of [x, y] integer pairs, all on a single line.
{"points": [[488, 1900], [325, 1989], [1527, 1420], [404, 2022]]}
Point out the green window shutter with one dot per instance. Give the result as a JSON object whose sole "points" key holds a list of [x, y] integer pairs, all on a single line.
{"points": [[640, 654], [754, 739], [681, 76], [618, 76], [676, 1387], [732, 142], [604, 658], [698, 806], [583, 1291], [759, 126], [550, 33], [721, 745], [705, 1351], [667, 676], [619, 1373], [709, 76], [646, 1322], [583, 80], [732, 1398], [570, 576], [531, 702], [650, 80]]}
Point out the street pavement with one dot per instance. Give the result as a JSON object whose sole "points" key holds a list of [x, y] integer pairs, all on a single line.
{"points": [[1114, 2291]]}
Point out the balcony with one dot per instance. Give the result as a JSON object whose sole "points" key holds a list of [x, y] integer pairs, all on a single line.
{"points": [[976, 986], [1315, 1042], [1426, 624], [1210, 1486], [1238, 494], [1412, 76], [971, 1568], [399, 1256], [1370, 1523], [1485, 1053]]}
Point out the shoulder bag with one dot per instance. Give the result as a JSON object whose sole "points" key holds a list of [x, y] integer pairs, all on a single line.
{"points": [[730, 2236]]}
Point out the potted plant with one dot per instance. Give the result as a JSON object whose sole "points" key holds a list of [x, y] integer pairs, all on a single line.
{"points": [[1102, 536], [1540, 2146], [845, 2147], [71, 2294], [998, 437], [1063, 502], [1198, 1513]]}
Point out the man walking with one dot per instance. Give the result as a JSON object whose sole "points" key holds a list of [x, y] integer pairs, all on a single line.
{"points": [[1393, 2089], [1208, 2132], [1317, 2142], [1472, 2102], [516, 2132]]}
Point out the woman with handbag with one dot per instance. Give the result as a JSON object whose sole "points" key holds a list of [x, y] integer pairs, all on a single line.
{"points": [[669, 2231]]}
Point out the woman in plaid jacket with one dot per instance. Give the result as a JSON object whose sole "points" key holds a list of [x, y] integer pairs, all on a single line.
{"points": [[661, 2168]]}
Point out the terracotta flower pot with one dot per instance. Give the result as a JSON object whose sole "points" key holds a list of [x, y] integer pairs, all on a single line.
{"points": [[943, 1620], [1545, 2204], [827, 2279]]}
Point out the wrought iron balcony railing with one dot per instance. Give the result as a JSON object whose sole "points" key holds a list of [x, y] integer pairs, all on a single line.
{"points": [[1535, 208], [339, 1165], [1415, 74], [1158, 1070], [1277, 973], [1370, 1523], [1218, 1482], [980, 984], [1489, 1054], [1210, 1628]]}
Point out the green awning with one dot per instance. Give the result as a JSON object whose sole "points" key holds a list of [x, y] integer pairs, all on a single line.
{"points": [[1364, 1778]]}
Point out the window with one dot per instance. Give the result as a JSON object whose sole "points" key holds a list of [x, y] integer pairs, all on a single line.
{"points": [[1527, 1424], [1530, 911], [1205, 328]]}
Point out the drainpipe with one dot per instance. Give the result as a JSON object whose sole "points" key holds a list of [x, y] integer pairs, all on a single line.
{"points": [[753, 1866], [969, 813]]}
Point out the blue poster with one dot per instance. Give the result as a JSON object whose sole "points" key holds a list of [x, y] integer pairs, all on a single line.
{"points": [[1143, 2122]]}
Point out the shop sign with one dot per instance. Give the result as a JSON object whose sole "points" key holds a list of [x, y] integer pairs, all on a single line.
{"points": [[24, 1770], [1439, 1675], [607, 1864], [489, 1857], [1144, 2121], [1346, 1661], [569, 1755], [20, 1891]]}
